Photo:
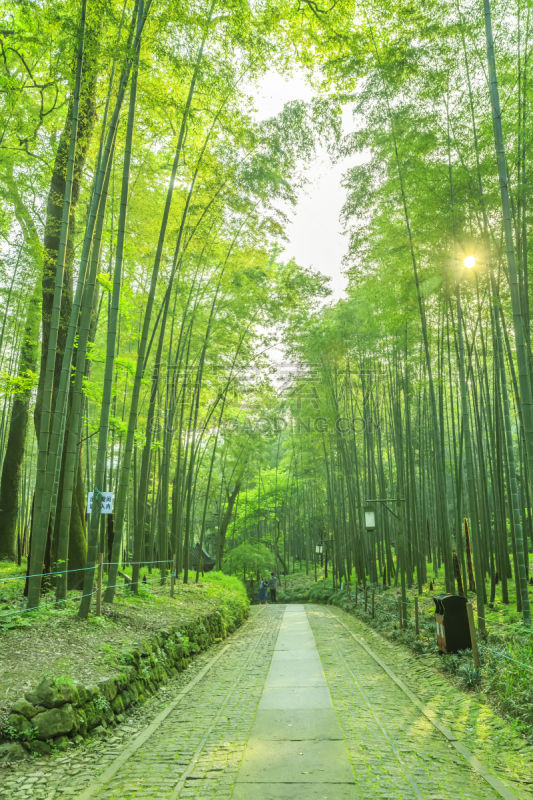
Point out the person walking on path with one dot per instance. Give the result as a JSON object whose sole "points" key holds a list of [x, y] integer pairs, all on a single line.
{"points": [[272, 584], [262, 596]]}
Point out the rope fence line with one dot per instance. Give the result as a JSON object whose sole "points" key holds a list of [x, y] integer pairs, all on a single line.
{"points": [[97, 589], [386, 612], [43, 574], [376, 608], [518, 628], [503, 655], [47, 605], [142, 563], [83, 569]]}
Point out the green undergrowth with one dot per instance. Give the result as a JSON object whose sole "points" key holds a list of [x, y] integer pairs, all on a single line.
{"points": [[505, 678], [152, 593], [53, 642]]}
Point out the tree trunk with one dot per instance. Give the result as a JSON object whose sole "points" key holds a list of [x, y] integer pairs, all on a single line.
{"points": [[16, 442], [225, 523], [56, 244]]}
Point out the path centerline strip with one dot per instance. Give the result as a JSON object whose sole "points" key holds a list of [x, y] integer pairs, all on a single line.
{"points": [[296, 748]]}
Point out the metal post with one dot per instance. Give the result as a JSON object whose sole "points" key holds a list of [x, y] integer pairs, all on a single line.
{"points": [[473, 635], [99, 577], [417, 626], [400, 548]]}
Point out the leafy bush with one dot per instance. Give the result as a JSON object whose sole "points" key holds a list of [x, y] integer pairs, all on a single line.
{"points": [[469, 675], [509, 678], [449, 663], [11, 733], [248, 559], [227, 582], [234, 602], [101, 702]]}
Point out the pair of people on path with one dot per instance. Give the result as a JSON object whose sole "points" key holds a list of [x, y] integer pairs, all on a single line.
{"points": [[270, 584]]}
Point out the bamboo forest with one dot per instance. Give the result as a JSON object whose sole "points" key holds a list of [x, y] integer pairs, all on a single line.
{"points": [[212, 402]]}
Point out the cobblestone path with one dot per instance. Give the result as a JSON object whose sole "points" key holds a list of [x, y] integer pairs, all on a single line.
{"points": [[395, 751], [197, 749], [474, 725], [296, 747], [190, 740], [194, 752]]}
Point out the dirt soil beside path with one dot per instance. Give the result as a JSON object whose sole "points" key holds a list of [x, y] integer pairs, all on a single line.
{"points": [[58, 644]]}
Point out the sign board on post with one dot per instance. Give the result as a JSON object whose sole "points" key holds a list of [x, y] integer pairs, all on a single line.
{"points": [[107, 503]]}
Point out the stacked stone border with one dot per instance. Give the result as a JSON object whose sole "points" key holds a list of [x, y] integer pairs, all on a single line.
{"points": [[60, 713]]}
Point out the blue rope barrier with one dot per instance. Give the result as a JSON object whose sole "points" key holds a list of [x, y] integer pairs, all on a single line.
{"points": [[518, 628], [509, 658], [45, 606], [82, 569]]}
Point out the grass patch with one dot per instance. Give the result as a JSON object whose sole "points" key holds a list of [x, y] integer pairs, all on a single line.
{"points": [[53, 641]]}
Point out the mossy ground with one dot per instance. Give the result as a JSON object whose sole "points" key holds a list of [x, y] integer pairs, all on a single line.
{"points": [[53, 641]]}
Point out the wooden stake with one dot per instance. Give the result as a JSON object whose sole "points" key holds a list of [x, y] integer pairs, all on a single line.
{"points": [[473, 635], [173, 575], [99, 579], [373, 604], [417, 625], [400, 611]]}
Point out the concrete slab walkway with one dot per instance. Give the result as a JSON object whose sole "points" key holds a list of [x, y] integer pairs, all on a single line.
{"points": [[296, 748]]}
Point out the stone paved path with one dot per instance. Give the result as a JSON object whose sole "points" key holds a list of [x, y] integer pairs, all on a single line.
{"points": [[395, 751], [487, 736], [197, 749], [296, 747], [295, 706]]}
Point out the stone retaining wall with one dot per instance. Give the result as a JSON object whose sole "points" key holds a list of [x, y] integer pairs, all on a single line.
{"points": [[60, 712]]}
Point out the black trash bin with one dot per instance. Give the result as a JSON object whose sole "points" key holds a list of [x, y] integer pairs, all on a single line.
{"points": [[453, 632]]}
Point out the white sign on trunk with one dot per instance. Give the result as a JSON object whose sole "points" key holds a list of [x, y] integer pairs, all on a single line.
{"points": [[107, 503]]}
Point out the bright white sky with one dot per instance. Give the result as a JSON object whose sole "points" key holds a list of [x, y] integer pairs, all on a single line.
{"points": [[315, 238]]}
